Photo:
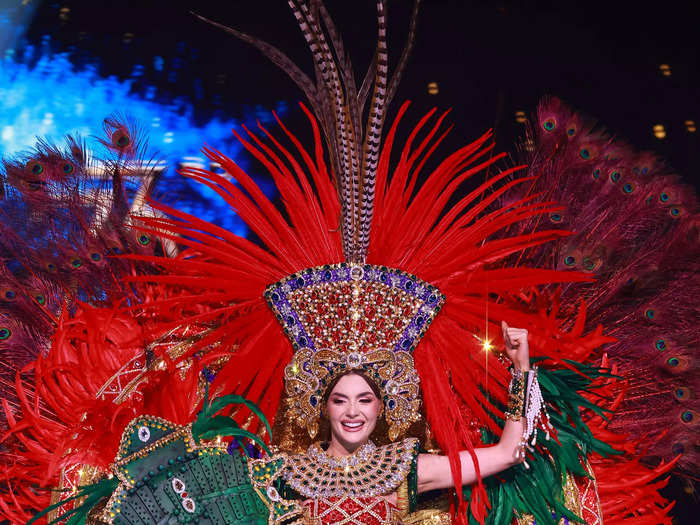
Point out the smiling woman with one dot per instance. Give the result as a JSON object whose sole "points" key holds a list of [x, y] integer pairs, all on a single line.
{"points": [[348, 478], [372, 297]]}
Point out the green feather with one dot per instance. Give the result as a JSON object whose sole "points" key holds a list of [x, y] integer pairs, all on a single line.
{"points": [[93, 493]]}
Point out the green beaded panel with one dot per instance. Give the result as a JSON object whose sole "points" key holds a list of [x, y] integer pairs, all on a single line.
{"points": [[176, 484]]}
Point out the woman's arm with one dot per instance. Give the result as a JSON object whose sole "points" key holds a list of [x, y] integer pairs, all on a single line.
{"points": [[434, 470]]}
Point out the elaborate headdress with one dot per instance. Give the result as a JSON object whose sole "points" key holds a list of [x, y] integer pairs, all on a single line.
{"points": [[350, 315], [354, 317]]}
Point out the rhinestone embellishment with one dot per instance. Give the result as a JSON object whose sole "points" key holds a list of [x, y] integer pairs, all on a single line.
{"points": [[351, 316]]}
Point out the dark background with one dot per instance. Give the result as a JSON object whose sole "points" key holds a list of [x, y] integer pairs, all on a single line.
{"points": [[490, 59]]}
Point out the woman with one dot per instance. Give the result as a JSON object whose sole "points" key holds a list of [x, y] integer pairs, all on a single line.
{"points": [[350, 480]]}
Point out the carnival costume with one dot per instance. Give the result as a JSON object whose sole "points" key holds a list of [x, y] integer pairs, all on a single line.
{"points": [[367, 264]]}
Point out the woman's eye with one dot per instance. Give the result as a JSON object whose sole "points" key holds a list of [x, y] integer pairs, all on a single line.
{"points": [[337, 401], [366, 400]]}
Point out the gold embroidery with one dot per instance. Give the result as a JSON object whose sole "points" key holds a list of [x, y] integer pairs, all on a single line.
{"points": [[380, 472]]}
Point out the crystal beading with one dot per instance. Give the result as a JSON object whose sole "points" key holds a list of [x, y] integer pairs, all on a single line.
{"points": [[349, 316]]}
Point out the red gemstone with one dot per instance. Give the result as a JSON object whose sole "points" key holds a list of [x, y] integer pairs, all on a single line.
{"points": [[370, 312], [407, 311], [183, 494]]}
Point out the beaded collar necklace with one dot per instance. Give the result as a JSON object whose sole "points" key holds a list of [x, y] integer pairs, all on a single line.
{"points": [[370, 471], [318, 453]]}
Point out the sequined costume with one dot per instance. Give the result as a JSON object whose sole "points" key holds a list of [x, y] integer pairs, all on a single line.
{"points": [[366, 263]]}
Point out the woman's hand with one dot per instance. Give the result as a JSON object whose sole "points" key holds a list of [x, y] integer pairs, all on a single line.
{"points": [[517, 347]]}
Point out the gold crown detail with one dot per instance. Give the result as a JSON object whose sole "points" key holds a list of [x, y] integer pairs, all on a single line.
{"points": [[354, 317]]}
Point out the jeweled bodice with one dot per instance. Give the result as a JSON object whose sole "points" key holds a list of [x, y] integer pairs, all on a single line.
{"points": [[371, 471], [348, 510]]}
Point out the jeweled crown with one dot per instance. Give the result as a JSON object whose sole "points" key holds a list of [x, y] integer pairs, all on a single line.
{"points": [[351, 316]]}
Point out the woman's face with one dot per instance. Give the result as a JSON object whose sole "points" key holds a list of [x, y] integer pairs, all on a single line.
{"points": [[352, 409]]}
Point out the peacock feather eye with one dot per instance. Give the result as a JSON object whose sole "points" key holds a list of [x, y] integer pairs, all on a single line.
{"points": [[687, 416], [121, 139], [96, 256], [10, 295], [628, 188], [555, 217], [40, 299], [36, 168], [673, 362], [585, 153], [596, 173], [144, 239], [682, 393], [614, 176], [650, 314], [76, 263], [571, 131], [569, 260], [660, 344], [5, 334], [549, 124], [664, 197], [68, 168], [590, 264], [675, 212]]}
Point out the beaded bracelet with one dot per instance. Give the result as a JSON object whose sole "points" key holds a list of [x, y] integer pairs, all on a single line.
{"points": [[516, 395], [534, 411]]}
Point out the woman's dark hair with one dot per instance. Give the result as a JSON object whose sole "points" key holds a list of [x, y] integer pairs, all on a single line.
{"points": [[363, 375]]}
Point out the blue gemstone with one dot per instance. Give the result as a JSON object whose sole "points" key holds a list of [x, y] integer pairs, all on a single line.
{"points": [[290, 320], [300, 281], [405, 344], [303, 341], [420, 320], [391, 404], [313, 400], [327, 275], [409, 285], [275, 296]]}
